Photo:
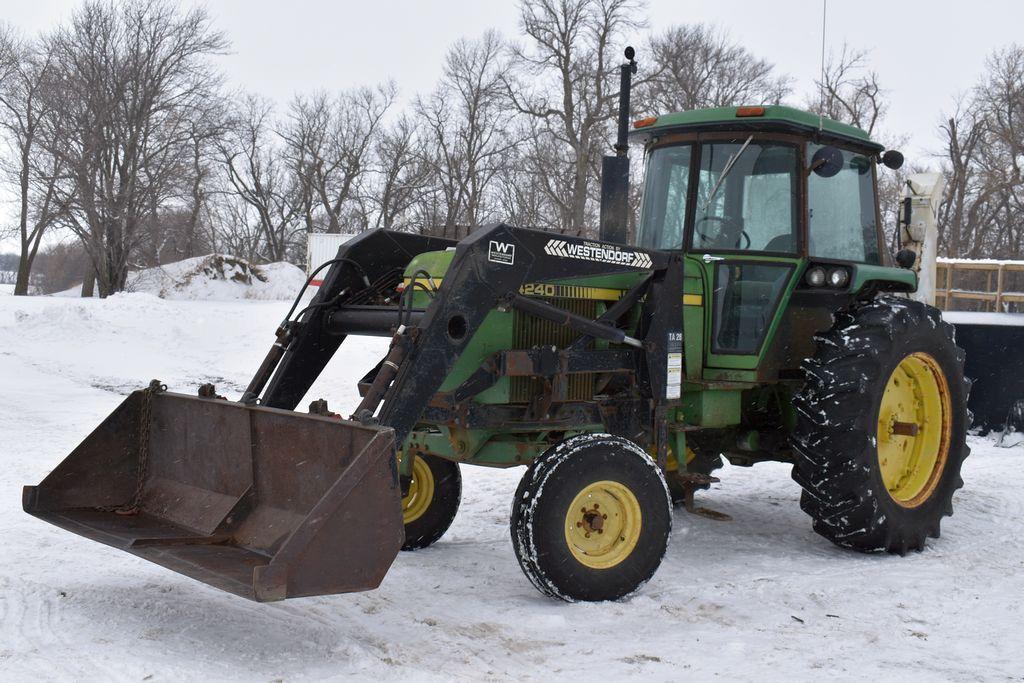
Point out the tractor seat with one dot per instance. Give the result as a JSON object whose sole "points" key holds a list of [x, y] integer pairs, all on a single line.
{"points": [[780, 243]]}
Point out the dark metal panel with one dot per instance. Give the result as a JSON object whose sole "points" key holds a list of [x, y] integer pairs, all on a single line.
{"points": [[995, 364]]}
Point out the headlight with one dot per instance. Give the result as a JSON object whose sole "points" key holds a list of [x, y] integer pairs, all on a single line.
{"points": [[838, 277], [815, 276]]}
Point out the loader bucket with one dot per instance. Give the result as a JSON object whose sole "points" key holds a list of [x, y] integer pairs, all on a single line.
{"points": [[263, 503]]}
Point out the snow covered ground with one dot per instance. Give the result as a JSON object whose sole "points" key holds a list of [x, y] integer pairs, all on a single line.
{"points": [[761, 597]]}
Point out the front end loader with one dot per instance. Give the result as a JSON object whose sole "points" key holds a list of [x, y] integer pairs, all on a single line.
{"points": [[753, 313]]}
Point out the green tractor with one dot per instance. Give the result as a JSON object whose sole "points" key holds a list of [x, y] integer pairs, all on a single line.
{"points": [[754, 313]]}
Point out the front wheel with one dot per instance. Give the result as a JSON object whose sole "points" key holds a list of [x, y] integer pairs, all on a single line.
{"points": [[429, 508], [591, 519], [881, 426]]}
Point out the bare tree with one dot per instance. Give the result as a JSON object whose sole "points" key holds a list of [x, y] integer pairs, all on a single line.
{"points": [[329, 142], [59, 265], [401, 175], [206, 128], [24, 72], [966, 198], [566, 80], [1001, 97], [529, 179], [125, 79], [697, 66], [849, 91], [258, 176], [466, 125], [239, 229], [983, 211]]}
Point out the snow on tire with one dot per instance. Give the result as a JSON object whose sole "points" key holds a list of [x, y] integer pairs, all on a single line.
{"points": [[591, 519], [881, 426]]}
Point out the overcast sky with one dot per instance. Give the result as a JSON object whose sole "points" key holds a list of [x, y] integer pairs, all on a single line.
{"points": [[925, 52]]}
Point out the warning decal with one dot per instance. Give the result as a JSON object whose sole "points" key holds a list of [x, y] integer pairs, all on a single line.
{"points": [[674, 366]]}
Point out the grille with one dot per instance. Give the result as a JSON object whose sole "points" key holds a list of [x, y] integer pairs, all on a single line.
{"points": [[528, 331]]}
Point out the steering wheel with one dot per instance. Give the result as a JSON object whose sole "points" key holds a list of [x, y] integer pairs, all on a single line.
{"points": [[728, 229]]}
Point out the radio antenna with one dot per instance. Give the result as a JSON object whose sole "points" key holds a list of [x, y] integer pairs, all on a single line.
{"points": [[821, 82]]}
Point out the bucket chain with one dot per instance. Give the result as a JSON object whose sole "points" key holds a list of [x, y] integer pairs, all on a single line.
{"points": [[141, 449]]}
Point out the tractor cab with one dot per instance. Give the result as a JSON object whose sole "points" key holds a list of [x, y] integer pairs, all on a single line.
{"points": [[767, 203]]}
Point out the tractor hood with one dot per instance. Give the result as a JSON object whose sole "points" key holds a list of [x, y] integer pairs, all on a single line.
{"points": [[429, 269]]}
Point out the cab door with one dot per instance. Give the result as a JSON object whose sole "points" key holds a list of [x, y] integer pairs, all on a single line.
{"points": [[745, 233]]}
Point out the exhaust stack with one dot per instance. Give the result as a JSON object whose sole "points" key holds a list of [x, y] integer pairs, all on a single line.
{"points": [[615, 169]]}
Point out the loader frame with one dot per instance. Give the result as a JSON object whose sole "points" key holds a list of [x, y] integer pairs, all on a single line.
{"points": [[489, 270]]}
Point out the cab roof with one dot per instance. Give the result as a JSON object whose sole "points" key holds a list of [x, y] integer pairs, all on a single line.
{"points": [[767, 117]]}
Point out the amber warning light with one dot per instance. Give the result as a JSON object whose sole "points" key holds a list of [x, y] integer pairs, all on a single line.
{"points": [[749, 111], [643, 123]]}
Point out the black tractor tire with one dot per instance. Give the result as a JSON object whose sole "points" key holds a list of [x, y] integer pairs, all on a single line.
{"points": [[881, 426], [433, 499], [558, 522]]}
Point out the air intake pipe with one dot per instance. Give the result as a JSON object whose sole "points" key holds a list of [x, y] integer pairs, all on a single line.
{"points": [[615, 169]]}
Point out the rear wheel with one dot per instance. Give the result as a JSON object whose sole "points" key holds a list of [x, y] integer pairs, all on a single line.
{"points": [[881, 426], [591, 519], [429, 508]]}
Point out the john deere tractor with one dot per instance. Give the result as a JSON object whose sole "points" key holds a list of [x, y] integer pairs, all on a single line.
{"points": [[754, 312]]}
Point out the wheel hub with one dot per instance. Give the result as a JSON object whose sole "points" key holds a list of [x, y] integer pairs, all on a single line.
{"points": [[913, 429], [602, 524]]}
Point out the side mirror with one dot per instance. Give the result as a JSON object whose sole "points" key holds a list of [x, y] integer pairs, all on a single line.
{"points": [[905, 258], [827, 162], [892, 159]]}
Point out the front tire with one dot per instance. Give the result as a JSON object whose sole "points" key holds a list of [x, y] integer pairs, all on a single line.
{"points": [[429, 508], [591, 519], [881, 426]]}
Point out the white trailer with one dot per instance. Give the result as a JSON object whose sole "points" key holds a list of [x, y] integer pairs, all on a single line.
{"points": [[321, 248]]}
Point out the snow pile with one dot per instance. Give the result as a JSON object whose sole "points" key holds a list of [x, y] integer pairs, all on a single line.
{"points": [[216, 277]]}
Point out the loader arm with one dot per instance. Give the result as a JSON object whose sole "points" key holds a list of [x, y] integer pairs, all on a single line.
{"points": [[488, 270], [378, 253]]}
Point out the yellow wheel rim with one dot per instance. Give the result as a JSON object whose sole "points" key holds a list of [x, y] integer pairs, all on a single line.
{"points": [[602, 525], [913, 429], [672, 464], [421, 491]]}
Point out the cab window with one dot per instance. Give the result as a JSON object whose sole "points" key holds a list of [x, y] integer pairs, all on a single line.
{"points": [[841, 206], [746, 197], [663, 215]]}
